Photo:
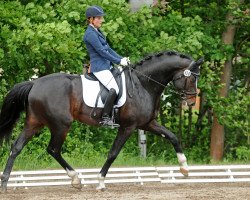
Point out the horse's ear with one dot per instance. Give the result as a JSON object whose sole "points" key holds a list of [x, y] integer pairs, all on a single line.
{"points": [[195, 68], [200, 61]]}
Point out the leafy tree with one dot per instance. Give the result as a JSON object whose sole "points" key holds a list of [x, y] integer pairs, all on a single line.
{"points": [[43, 37]]}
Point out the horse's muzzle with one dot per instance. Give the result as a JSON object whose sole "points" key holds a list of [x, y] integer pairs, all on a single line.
{"points": [[191, 101]]}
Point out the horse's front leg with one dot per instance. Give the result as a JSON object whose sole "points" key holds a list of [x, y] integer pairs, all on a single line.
{"points": [[160, 130], [120, 140]]}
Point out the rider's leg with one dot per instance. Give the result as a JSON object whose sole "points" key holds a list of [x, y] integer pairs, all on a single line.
{"points": [[108, 106], [107, 79]]}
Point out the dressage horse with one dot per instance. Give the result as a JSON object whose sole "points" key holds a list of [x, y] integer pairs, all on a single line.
{"points": [[56, 100]]}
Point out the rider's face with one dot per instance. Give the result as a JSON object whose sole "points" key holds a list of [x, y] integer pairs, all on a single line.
{"points": [[97, 21]]}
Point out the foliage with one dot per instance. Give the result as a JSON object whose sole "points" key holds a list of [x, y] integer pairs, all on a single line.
{"points": [[43, 37], [35, 41]]}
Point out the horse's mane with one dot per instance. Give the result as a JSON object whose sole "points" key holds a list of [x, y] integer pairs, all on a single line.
{"points": [[158, 54]]}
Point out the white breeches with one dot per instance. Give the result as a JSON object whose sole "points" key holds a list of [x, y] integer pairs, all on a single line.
{"points": [[107, 79]]}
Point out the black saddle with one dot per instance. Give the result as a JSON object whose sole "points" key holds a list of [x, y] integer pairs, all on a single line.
{"points": [[103, 90]]}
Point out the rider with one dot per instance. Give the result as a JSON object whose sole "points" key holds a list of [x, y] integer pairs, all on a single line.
{"points": [[102, 58]]}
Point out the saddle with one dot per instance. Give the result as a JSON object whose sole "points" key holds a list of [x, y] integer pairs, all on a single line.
{"points": [[103, 90]]}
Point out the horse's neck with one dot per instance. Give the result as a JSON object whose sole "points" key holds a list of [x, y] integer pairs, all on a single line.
{"points": [[162, 69], [159, 71], [155, 75]]}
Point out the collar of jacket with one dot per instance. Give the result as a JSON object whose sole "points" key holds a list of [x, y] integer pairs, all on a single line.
{"points": [[97, 30]]}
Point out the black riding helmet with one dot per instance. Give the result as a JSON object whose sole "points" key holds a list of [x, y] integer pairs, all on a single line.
{"points": [[94, 11]]}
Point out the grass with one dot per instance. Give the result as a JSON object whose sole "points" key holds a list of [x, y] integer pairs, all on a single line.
{"points": [[46, 162], [30, 160]]}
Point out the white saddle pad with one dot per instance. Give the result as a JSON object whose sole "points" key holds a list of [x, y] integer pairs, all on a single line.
{"points": [[92, 88]]}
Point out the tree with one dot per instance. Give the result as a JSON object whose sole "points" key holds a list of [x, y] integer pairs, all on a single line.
{"points": [[42, 37], [218, 130]]}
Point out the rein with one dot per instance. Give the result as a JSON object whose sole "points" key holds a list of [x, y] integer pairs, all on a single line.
{"points": [[148, 77]]}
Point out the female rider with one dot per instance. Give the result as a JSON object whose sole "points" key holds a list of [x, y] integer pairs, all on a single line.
{"points": [[101, 59]]}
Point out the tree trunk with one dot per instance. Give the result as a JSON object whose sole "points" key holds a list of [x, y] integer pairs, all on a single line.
{"points": [[182, 7], [180, 123], [202, 112], [218, 132], [190, 114]]}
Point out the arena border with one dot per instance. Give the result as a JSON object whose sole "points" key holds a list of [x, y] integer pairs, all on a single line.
{"points": [[140, 175]]}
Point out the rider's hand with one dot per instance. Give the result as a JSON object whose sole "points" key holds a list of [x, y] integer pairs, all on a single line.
{"points": [[124, 62], [128, 60]]}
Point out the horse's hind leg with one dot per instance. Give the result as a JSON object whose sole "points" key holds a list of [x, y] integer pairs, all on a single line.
{"points": [[17, 147], [58, 135]]}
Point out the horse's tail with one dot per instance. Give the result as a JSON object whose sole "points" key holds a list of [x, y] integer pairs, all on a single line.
{"points": [[14, 103]]}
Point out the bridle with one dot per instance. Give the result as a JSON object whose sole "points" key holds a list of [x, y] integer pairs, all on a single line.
{"points": [[187, 74]]}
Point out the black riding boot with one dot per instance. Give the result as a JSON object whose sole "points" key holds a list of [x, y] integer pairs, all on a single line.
{"points": [[107, 110]]}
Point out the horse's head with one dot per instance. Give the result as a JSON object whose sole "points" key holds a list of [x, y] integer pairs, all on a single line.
{"points": [[185, 81]]}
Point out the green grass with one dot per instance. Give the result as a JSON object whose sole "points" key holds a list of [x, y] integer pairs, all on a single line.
{"points": [[41, 160], [46, 162]]}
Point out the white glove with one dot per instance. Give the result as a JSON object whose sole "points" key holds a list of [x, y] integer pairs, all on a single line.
{"points": [[124, 62], [128, 60]]}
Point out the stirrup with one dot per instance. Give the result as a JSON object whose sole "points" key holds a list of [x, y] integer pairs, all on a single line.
{"points": [[108, 122]]}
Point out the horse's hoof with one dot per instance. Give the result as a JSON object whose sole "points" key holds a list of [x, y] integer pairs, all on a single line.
{"points": [[102, 189], [184, 171], [77, 186], [4, 190], [76, 183], [3, 187]]}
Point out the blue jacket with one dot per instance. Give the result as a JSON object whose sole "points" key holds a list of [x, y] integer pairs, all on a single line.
{"points": [[100, 53]]}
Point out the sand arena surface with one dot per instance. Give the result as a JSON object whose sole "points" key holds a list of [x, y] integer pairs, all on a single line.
{"points": [[196, 191]]}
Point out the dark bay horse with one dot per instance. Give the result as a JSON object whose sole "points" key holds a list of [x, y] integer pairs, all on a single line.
{"points": [[56, 100]]}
